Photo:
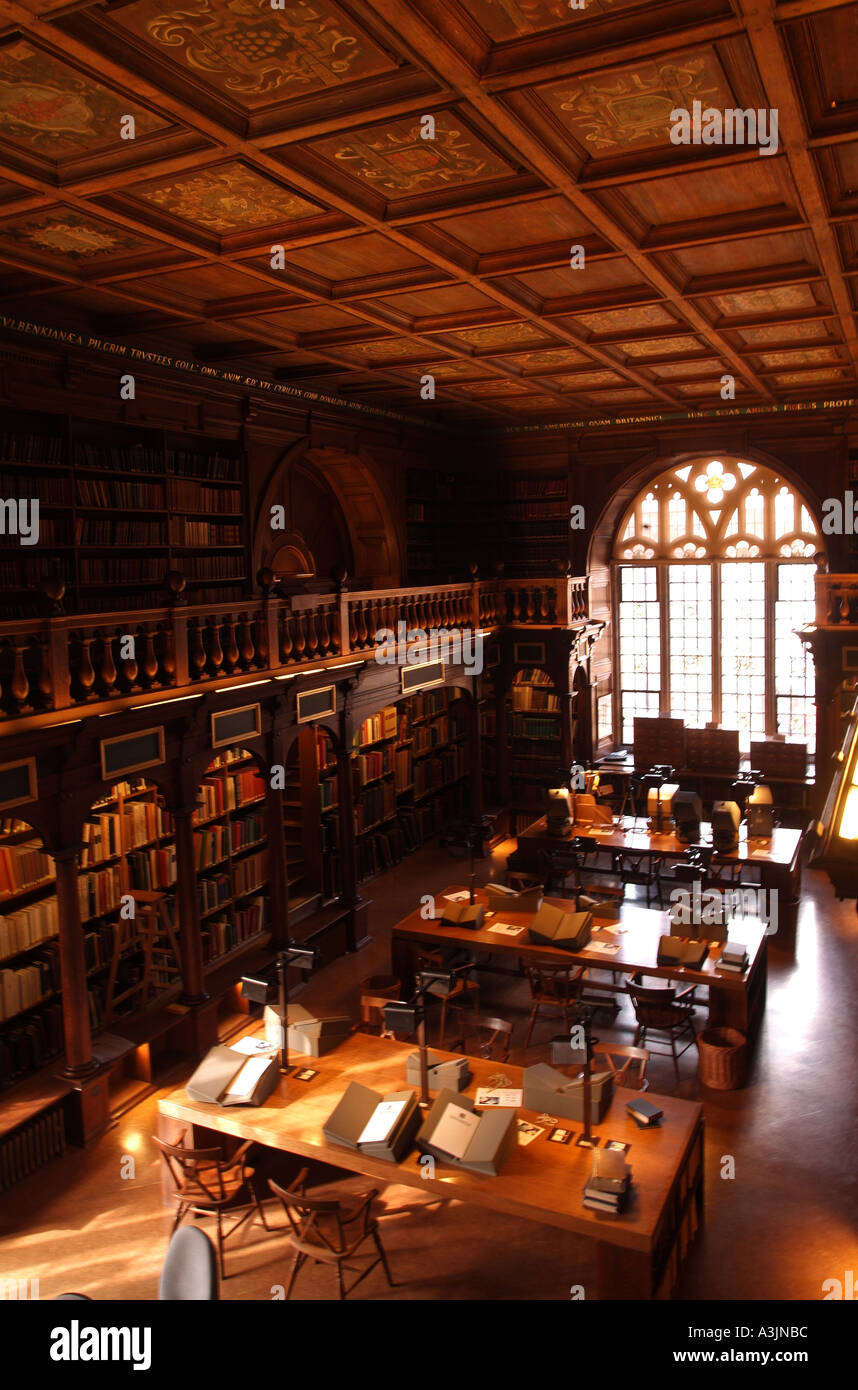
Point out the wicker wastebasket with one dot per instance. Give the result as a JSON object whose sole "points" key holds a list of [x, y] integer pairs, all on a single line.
{"points": [[723, 1053]]}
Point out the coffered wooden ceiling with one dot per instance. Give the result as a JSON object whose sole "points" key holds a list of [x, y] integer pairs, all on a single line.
{"points": [[300, 126]]}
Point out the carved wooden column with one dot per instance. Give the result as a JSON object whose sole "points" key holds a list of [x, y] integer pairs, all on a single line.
{"points": [[190, 934], [78, 1036]]}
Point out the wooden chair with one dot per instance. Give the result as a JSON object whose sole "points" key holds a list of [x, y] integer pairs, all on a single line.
{"points": [[464, 992], [556, 988], [488, 1033], [329, 1230], [642, 869], [207, 1184], [631, 1072], [660, 1010]]}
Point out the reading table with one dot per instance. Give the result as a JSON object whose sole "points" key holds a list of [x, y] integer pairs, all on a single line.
{"points": [[735, 1001], [638, 1254]]}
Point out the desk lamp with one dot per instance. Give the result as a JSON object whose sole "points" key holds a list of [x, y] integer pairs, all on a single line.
{"points": [[586, 1014], [744, 785], [466, 835], [262, 989], [660, 792]]}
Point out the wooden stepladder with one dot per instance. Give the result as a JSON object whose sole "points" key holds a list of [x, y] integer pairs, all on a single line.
{"points": [[151, 933]]}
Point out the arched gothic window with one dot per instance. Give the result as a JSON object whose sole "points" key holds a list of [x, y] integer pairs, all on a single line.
{"points": [[714, 572]]}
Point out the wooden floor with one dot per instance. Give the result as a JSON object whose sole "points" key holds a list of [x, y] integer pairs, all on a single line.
{"points": [[781, 1226]]}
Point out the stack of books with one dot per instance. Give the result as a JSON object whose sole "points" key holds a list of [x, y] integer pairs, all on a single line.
{"points": [[608, 1185], [734, 957]]}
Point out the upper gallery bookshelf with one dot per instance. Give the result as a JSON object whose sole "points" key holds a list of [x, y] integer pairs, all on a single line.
{"points": [[120, 507], [433, 542]]}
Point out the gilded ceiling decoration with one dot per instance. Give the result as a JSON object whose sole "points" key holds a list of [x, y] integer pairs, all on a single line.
{"points": [[229, 198], [54, 110], [775, 301], [629, 107], [626, 320], [655, 347], [75, 235], [251, 51], [397, 161]]}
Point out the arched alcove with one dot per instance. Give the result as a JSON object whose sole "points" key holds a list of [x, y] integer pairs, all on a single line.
{"points": [[336, 517]]}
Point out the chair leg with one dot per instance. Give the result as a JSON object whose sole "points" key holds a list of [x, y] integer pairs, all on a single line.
{"points": [[220, 1244], [530, 1024], [340, 1281], [380, 1248], [296, 1265], [675, 1058], [442, 1032]]}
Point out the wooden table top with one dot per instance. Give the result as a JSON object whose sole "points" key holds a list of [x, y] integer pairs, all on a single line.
{"points": [[781, 849], [541, 1181], [638, 943]]}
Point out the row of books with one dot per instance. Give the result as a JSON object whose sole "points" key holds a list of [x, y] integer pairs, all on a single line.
{"points": [[533, 675], [23, 867], [328, 793], [89, 531], [183, 531], [22, 988], [211, 892], [99, 892], [537, 487], [31, 1145], [28, 926], [108, 834], [232, 792], [380, 851], [536, 511], [217, 842], [127, 571], [190, 497], [115, 459], [32, 448], [27, 571], [378, 726], [28, 1046], [427, 736], [403, 767], [488, 723], [152, 868], [369, 766], [54, 531], [188, 465], [106, 492], [375, 804], [51, 492], [524, 697], [98, 945], [213, 567], [250, 873], [225, 933], [440, 769], [529, 726]]}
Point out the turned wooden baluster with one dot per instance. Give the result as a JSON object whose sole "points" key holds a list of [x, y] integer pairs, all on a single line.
{"points": [[168, 660], [46, 685], [336, 644], [196, 649], [246, 649], [86, 672], [19, 685], [552, 605], [129, 663], [353, 637], [230, 650], [149, 663], [360, 627], [258, 634], [844, 605], [312, 635], [287, 645], [300, 630], [108, 671]]}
